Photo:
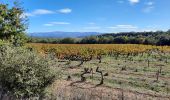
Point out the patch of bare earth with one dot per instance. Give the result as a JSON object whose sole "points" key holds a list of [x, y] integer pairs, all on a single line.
{"points": [[76, 90]]}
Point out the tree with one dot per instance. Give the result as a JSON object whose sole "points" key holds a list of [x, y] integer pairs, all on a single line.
{"points": [[12, 23], [67, 41], [89, 40], [164, 40], [121, 39], [168, 31], [104, 40]]}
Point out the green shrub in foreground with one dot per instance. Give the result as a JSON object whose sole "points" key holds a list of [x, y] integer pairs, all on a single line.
{"points": [[23, 73]]}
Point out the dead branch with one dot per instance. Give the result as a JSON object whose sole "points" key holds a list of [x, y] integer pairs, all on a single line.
{"points": [[99, 57], [86, 71]]}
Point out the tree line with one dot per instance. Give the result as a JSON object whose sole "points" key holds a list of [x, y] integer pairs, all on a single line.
{"points": [[148, 38]]}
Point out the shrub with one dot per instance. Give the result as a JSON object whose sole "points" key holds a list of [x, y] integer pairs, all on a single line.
{"points": [[23, 73]]}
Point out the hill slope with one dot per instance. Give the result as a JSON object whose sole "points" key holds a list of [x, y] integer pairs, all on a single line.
{"points": [[59, 34]]}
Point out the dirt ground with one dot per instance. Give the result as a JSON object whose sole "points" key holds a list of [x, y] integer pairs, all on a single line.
{"points": [[75, 90], [136, 82]]}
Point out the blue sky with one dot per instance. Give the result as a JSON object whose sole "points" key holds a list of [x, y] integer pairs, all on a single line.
{"points": [[96, 15]]}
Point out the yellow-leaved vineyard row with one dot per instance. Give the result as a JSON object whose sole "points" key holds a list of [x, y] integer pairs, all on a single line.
{"points": [[86, 50]]}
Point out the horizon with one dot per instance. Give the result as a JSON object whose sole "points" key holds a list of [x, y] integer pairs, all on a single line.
{"points": [[111, 16], [101, 32]]}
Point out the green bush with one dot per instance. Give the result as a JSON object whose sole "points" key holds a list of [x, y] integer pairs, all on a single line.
{"points": [[2, 42], [23, 73]]}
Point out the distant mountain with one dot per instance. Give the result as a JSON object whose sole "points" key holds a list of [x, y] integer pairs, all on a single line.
{"points": [[59, 34]]}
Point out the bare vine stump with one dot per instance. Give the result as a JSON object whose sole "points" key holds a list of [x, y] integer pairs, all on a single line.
{"points": [[68, 78], [157, 75], [86, 71], [81, 63], [160, 69], [148, 63], [122, 95], [100, 58], [82, 75], [106, 74], [101, 73], [91, 70]]}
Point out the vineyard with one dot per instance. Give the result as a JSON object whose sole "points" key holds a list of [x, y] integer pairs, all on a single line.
{"points": [[142, 71], [62, 51]]}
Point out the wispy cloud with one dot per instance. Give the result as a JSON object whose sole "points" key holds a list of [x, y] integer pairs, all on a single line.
{"points": [[149, 7], [48, 24], [123, 27], [42, 12], [153, 27], [39, 12], [45, 11], [65, 10], [134, 1], [56, 23]]}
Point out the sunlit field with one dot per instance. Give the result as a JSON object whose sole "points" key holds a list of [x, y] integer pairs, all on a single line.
{"points": [[128, 70]]}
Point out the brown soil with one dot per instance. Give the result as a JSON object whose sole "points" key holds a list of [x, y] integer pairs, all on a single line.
{"points": [[76, 90]]}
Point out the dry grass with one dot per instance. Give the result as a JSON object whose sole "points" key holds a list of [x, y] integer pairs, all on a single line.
{"points": [[129, 78], [70, 90]]}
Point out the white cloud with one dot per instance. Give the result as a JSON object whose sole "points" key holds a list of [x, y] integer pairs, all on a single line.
{"points": [[148, 9], [38, 12], [45, 11], [42, 11], [56, 23], [48, 25], [134, 1], [153, 27], [65, 10], [123, 27], [129, 28]]}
